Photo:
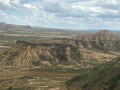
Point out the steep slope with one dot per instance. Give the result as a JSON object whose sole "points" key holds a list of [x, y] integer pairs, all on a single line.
{"points": [[25, 53], [100, 46], [103, 41], [102, 77], [63, 50], [103, 35]]}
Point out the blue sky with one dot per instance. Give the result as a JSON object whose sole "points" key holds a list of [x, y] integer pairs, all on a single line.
{"points": [[65, 14]]}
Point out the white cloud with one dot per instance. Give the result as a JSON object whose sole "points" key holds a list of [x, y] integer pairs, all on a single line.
{"points": [[15, 1], [2, 14], [64, 13], [110, 4], [5, 4], [10, 4], [72, 22], [55, 6]]}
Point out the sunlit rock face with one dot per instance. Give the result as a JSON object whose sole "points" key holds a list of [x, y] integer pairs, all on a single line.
{"points": [[98, 46], [102, 35], [25, 53]]}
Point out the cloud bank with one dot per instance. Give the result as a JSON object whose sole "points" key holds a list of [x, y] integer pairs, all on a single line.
{"points": [[68, 14]]}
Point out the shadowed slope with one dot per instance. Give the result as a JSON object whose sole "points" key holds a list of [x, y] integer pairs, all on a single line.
{"points": [[63, 51], [103, 41], [103, 77], [25, 53]]}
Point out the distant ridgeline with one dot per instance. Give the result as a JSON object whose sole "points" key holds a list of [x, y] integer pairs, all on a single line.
{"points": [[98, 46], [5, 26]]}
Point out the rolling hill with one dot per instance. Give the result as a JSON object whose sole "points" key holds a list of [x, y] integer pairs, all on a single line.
{"points": [[103, 77]]}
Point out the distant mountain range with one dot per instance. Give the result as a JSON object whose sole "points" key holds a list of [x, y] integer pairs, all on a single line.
{"points": [[6, 26]]}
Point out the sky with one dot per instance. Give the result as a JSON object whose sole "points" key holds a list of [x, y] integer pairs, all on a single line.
{"points": [[64, 14]]}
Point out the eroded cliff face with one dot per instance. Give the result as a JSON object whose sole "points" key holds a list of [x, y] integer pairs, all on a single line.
{"points": [[103, 35], [25, 53], [101, 46], [103, 41], [96, 46], [91, 49]]}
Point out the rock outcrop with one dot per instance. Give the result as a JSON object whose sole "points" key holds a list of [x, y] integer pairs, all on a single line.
{"points": [[25, 53], [103, 40], [103, 35], [99, 46]]}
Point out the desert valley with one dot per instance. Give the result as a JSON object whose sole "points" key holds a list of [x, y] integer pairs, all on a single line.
{"points": [[34, 58]]}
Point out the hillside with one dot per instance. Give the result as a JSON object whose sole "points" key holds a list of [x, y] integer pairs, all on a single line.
{"points": [[25, 53], [103, 35], [102, 77], [95, 46], [10, 33], [63, 51], [102, 40], [4, 26]]}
